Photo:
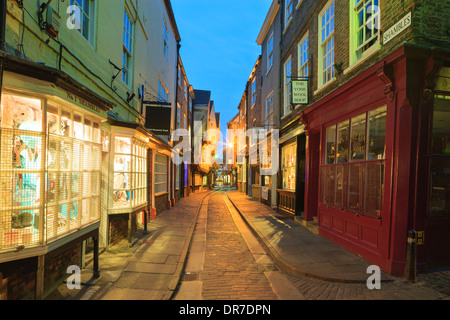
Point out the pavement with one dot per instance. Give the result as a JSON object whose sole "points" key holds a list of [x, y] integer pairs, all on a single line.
{"points": [[148, 270], [153, 267], [299, 249]]}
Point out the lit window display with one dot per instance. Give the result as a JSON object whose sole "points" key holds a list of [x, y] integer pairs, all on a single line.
{"points": [[130, 172], [289, 158], [49, 172], [161, 167]]}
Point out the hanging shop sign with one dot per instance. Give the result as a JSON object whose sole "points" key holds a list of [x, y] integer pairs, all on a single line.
{"points": [[299, 92], [158, 119], [398, 28]]}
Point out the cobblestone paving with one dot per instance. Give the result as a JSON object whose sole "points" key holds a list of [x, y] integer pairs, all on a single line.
{"points": [[433, 286], [230, 271]]}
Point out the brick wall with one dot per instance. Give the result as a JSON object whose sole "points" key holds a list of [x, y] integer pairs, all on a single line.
{"points": [[118, 228], [18, 278], [429, 21]]}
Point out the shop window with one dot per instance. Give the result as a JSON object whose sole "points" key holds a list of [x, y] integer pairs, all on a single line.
{"points": [[49, 180], [160, 174], [376, 134], [358, 138], [330, 145], [353, 177], [288, 169], [130, 172], [439, 200], [342, 142]]}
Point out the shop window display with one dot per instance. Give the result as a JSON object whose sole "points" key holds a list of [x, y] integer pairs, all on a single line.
{"points": [[43, 172], [289, 160], [130, 172], [353, 177]]}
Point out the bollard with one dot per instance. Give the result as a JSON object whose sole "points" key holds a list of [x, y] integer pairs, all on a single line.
{"points": [[411, 258]]}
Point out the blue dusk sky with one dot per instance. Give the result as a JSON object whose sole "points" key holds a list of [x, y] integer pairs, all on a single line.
{"points": [[218, 47]]}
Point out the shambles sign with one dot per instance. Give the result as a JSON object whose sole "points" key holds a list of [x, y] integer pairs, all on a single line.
{"points": [[299, 92], [398, 28]]}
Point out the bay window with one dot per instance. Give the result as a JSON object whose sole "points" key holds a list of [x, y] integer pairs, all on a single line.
{"points": [[130, 172], [352, 176], [50, 172]]}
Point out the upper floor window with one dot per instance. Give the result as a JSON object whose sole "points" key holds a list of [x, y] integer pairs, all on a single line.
{"points": [[365, 27], [289, 9], [163, 93], [254, 92], [287, 86], [326, 44], [303, 56], [269, 111], [166, 41], [127, 47], [270, 53], [84, 17]]}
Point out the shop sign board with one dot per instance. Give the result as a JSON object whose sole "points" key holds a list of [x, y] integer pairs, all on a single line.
{"points": [[158, 120], [299, 92]]}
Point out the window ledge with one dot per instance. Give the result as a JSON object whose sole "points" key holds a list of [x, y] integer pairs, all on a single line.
{"points": [[366, 56], [326, 85]]}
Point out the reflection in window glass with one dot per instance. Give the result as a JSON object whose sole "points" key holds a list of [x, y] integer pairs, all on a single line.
{"points": [[331, 145], [358, 138], [342, 141], [376, 131]]}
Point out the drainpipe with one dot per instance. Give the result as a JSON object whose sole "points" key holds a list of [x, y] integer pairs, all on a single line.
{"points": [[176, 113]]}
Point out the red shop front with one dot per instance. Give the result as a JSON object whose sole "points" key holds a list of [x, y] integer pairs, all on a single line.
{"points": [[370, 160]]}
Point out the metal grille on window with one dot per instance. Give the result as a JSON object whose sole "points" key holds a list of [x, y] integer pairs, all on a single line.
{"points": [[49, 183]]}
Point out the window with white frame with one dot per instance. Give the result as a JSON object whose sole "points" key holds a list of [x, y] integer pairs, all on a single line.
{"points": [[161, 173], [270, 53], [253, 92], [287, 86], [269, 111], [163, 93], [326, 44], [178, 116], [289, 9], [84, 18], [127, 48], [166, 40], [365, 27], [303, 59], [130, 172]]}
